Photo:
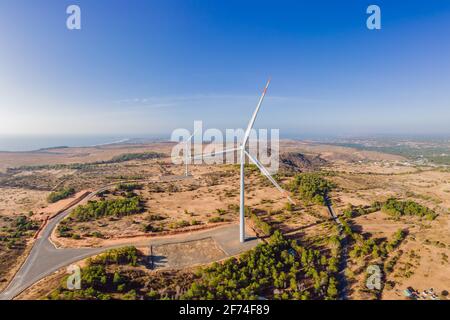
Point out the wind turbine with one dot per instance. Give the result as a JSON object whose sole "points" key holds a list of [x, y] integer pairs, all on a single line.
{"points": [[187, 154], [243, 152]]}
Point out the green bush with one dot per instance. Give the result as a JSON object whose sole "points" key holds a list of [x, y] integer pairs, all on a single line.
{"points": [[216, 219], [61, 194], [355, 211], [22, 224], [126, 255], [76, 236], [128, 186], [261, 225], [179, 224], [64, 230]]}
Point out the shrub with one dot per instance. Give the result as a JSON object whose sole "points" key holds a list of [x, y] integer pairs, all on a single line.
{"points": [[216, 219], [126, 255], [59, 195], [23, 224], [128, 186], [261, 225], [179, 224]]}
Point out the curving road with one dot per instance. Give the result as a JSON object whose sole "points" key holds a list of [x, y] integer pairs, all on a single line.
{"points": [[44, 258]]}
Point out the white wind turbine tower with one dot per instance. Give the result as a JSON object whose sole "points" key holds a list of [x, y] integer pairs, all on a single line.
{"points": [[243, 152], [187, 154]]}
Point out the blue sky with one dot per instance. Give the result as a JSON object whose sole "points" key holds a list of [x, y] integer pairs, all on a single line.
{"points": [[147, 67]]}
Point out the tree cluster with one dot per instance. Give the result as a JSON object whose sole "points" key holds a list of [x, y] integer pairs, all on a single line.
{"points": [[99, 283], [115, 207], [281, 269], [128, 187], [399, 208], [355, 211], [61, 194], [363, 248], [311, 187]]}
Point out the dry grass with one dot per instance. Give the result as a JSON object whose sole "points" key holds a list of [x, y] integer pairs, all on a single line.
{"points": [[361, 178]]}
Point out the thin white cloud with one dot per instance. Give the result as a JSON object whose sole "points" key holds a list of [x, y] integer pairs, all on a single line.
{"points": [[175, 101]]}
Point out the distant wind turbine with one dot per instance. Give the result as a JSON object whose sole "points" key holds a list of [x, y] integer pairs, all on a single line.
{"points": [[187, 154]]}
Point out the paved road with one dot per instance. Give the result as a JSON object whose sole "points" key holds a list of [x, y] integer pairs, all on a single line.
{"points": [[45, 258]]}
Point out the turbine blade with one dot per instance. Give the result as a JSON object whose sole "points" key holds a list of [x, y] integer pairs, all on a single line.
{"points": [[267, 174], [193, 134], [188, 151], [208, 155], [255, 113]]}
